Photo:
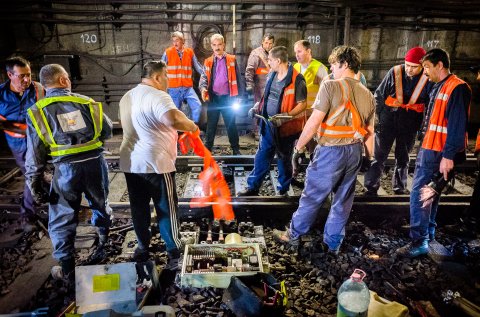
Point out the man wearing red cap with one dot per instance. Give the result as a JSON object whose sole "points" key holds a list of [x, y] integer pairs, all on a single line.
{"points": [[400, 101]]}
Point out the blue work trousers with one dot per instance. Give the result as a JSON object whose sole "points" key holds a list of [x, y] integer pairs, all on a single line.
{"points": [[161, 189], [422, 220], [401, 127], [264, 157], [27, 207], [221, 105], [181, 94], [69, 181], [334, 170]]}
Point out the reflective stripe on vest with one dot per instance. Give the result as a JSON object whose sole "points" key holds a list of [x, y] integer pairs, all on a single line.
{"points": [[329, 129], [179, 71], [231, 73], [293, 126], [436, 134], [40, 122], [310, 75], [261, 71], [397, 102], [477, 144]]}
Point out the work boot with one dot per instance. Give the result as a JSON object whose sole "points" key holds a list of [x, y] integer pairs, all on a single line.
{"points": [[247, 192], [370, 193], [400, 191], [412, 250], [236, 152], [141, 255], [100, 253], [285, 237]]}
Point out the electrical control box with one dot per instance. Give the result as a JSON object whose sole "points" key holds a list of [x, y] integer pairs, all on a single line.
{"points": [[212, 265]]}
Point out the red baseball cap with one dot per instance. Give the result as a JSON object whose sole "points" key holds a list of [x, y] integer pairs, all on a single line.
{"points": [[415, 55]]}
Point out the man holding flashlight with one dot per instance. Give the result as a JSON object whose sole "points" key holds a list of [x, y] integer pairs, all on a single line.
{"points": [[221, 86], [283, 110]]}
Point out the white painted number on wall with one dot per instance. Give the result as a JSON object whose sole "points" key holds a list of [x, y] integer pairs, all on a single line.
{"points": [[314, 39], [433, 43], [88, 38]]}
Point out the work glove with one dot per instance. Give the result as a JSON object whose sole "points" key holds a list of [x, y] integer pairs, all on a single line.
{"points": [[277, 119], [298, 158], [253, 111], [39, 192], [366, 164]]}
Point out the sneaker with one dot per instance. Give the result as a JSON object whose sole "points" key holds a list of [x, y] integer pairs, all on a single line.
{"points": [[400, 191], [412, 251], [284, 237], [247, 192]]}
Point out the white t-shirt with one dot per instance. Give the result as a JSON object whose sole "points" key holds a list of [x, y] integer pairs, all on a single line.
{"points": [[148, 145]]}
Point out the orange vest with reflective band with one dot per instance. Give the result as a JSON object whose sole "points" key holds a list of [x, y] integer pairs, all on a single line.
{"points": [[39, 94], [398, 101], [288, 103], [436, 134], [179, 71], [231, 74], [328, 128]]}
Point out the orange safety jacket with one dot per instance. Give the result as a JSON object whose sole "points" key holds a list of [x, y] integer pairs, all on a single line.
{"points": [[398, 101], [179, 71], [436, 134], [328, 128], [477, 144], [39, 94], [293, 126], [231, 73]]}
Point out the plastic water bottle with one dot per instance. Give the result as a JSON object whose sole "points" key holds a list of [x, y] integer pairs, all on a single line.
{"points": [[353, 296]]}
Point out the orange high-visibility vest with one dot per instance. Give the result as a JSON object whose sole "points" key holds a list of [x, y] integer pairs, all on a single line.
{"points": [[328, 128], [231, 73], [398, 101], [288, 103], [179, 71], [436, 134], [39, 94]]}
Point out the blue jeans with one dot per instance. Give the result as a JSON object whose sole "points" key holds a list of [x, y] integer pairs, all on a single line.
{"points": [[162, 190], [264, 157], [333, 169], [69, 181], [181, 94], [401, 127], [27, 207], [422, 220], [221, 105]]}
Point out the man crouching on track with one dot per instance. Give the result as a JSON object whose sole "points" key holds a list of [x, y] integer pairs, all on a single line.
{"points": [[71, 129], [150, 121], [342, 120]]}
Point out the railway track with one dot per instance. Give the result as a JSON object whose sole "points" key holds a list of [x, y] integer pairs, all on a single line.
{"points": [[236, 170]]}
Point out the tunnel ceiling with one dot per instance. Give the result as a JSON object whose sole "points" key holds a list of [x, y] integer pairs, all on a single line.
{"points": [[455, 15]]}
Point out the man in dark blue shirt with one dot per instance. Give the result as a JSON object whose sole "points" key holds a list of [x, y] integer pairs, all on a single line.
{"points": [[443, 145], [17, 94], [400, 100]]}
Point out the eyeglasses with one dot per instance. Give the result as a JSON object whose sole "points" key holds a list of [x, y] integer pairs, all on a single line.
{"points": [[22, 76]]}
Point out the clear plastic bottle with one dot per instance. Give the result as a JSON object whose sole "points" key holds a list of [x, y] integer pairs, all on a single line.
{"points": [[353, 296]]}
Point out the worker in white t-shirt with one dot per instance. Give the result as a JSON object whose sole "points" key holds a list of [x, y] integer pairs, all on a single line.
{"points": [[150, 122]]}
